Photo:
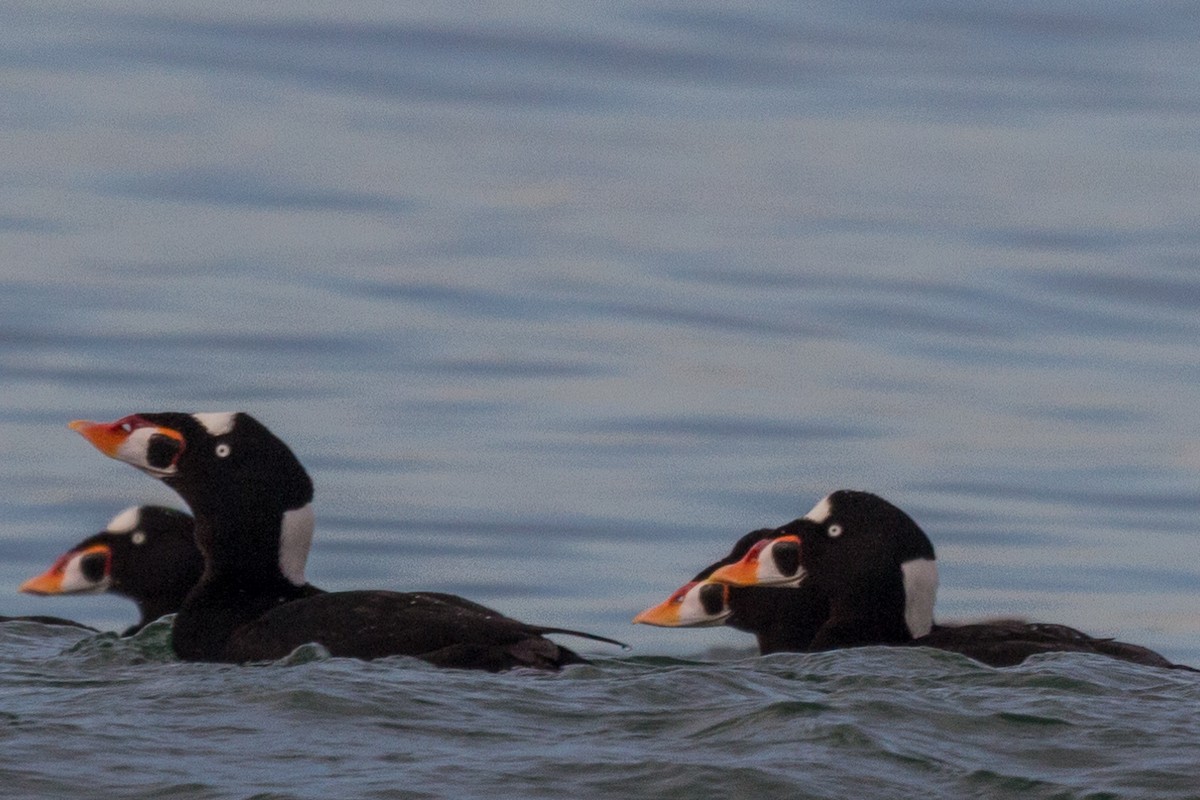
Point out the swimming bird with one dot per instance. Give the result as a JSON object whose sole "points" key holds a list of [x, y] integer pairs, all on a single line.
{"points": [[145, 553], [877, 569], [252, 503], [781, 619]]}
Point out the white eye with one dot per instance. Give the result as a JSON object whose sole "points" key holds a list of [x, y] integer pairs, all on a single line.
{"points": [[834, 531], [127, 427], [222, 450], [138, 537]]}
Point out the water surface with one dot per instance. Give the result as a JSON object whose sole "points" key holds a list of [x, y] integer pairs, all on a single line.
{"points": [[554, 303]]}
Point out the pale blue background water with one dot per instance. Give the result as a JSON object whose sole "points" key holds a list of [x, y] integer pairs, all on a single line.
{"points": [[555, 301]]}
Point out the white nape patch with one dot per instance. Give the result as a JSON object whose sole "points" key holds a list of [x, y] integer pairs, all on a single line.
{"points": [[126, 521], [74, 582], [920, 592], [820, 512], [218, 423], [295, 539]]}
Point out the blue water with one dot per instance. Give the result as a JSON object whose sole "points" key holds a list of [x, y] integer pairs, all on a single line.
{"points": [[555, 302]]}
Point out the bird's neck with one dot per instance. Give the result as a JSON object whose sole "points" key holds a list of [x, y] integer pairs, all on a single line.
{"points": [[243, 577], [254, 546], [866, 610]]}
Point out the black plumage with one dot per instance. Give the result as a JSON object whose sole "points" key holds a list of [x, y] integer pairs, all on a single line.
{"points": [[147, 554], [852, 554], [250, 498]]}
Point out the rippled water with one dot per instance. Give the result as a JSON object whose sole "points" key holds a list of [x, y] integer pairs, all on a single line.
{"points": [[555, 302], [124, 720]]}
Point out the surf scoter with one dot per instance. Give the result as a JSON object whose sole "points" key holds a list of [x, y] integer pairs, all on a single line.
{"points": [[877, 569], [145, 553], [781, 619], [251, 500]]}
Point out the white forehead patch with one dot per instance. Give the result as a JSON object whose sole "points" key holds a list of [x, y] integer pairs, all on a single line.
{"points": [[821, 511], [124, 522], [218, 423]]}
